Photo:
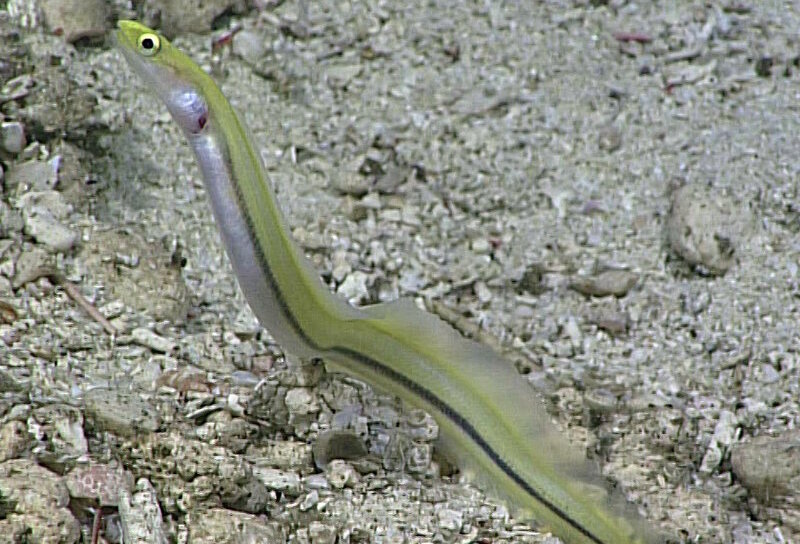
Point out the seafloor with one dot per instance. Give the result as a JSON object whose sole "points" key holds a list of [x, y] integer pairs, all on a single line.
{"points": [[607, 191]]}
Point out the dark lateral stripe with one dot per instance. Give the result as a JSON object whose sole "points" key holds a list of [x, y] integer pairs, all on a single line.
{"points": [[419, 390]]}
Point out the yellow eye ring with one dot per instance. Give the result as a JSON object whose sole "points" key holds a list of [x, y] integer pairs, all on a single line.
{"points": [[149, 44]]}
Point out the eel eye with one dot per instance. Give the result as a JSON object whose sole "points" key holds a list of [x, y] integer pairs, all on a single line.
{"points": [[149, 44]]}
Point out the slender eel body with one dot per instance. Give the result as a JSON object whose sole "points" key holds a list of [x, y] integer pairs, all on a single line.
{"points": [[489, 418]]}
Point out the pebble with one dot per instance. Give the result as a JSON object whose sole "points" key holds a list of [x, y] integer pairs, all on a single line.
{"points": [[12, 137], [769, 466], [17, 87], [351, 183], [219, 525], [533, 280], [76, 19], [196, 16], [120, 412], [316, 482], [246, 325], [483, 292], [337, 444], [339, 75], [609, 139], [418, 458], [321, 533], [450, 520], [10, 221], [340, 265], [34, 175], [394, 177], [705, 228], [43, 212], [35, 504], [354, 287], [32, 264], [140, 515], [50, 232], [280, 480], [250, 46], [391, 215], [63, 428], [13, 440], [300, 401], [155, 286], [98, 482], [612, 321], [725, 433], [149, 339], [572, 331], [371, 201], [481, 246], [609, 282], [341, 474], [599, 403]]}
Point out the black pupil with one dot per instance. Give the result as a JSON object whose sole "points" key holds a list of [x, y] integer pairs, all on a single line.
{"points": [[147, 43]]}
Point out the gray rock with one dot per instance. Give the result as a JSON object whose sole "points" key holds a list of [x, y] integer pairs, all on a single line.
{"points": [[76, 19], [321, 533], [10, 221], [337, 444], [98, 482], [120, 412], [250, 45], [349, 182], [12, 137], [49, 231], [179, 16], [61, 428], [279, 480], [36, 503], [769, 466], [341, 474], [155, 342], [48, 202], [705, 228], [250, 495], [33, 175], [13, 440], [609, 139], [139, 273], [354, 287], [32, 264], [450, 520], [300, 401], [481, 246], [220, 526], [140, 515], [339, 75], [610, 282], [725, 433]]}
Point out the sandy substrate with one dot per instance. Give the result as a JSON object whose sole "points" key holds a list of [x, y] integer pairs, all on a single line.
{"points": [[608, 191]]}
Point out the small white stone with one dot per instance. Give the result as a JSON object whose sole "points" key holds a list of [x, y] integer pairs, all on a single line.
{"points": [[279, 480], [48, 231], [149, 339], [341, 474], [354, 287], [482, 292], [450, 520], [481, 246], [300, 401]]}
